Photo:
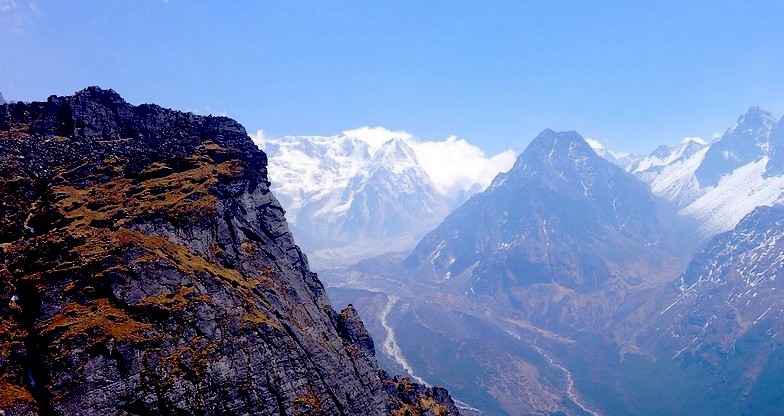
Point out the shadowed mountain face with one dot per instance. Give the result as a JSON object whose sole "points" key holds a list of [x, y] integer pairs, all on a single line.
{"points": [[145, 268], [744, 142], [562, 214], [731, 295]]}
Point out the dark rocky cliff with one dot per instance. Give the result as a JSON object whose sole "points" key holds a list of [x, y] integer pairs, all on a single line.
{"points": [[145, 268]]}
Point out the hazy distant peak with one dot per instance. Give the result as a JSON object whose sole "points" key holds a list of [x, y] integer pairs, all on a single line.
{"points": [[697, 140], [376, 137], [661, 151], [396, 155], [2, 100], [755, 121]]}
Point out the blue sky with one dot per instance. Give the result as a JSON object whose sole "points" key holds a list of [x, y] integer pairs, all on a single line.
{"points": [[633, 74]]}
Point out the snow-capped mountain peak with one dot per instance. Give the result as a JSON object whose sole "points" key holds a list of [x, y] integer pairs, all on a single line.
{"points": [[368, 187], [396, 156], [376, 137], [664, 156], [756, 123], [719, 183], [744, 142]]}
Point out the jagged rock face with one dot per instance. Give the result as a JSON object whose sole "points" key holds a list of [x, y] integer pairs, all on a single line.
{"points": [[775, 166], [731, 291], [723, 334], [145, 268]]}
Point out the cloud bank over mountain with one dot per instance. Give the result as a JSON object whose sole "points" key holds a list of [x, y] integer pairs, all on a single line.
{"points": [[453, 164]]}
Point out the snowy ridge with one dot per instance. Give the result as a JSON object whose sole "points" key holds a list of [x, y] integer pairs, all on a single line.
{"points": [[720, 208], [676, 181], [731, 287], [717, 184], [371, 184]]}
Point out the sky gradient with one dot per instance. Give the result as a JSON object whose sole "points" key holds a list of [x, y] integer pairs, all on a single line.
{"points": [[632, 74]]}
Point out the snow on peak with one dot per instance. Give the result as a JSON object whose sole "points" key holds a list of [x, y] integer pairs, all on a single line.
{"points": [[304, 169], [622, 159], [375, 137], [396, 156], [755, 122], [698, 140]]}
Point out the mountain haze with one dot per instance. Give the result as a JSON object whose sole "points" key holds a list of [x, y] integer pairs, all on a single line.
{"points": [[366, 191], [719, 183]]}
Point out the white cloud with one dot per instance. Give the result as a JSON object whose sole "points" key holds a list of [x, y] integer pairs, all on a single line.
{"points": [[455, 165], [259, 138], [14, 17], [7, 5], [698, 140], [595, 144]]}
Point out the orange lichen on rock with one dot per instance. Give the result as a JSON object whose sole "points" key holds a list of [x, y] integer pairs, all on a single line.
{"points": [[97, 321], [11, 394], [414, 400], [259, 318], [177, 301], [308, 404]]}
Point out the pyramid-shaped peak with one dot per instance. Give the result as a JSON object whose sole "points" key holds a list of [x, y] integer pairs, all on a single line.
{"points": [[756, 113], [396, 148], [550, 138], [555, 146]]}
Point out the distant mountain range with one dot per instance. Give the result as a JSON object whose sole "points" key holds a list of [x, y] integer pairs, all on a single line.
{"points": [[348, 196], [600, 284], [559, 195], [717, 184]]}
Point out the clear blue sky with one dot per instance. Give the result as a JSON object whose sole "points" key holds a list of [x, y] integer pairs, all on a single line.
{"points": [[631, 73]]}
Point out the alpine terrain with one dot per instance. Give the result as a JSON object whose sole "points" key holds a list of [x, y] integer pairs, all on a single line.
{"points": [[356, 195], [573, 285], [717, 184], [145, 268]]}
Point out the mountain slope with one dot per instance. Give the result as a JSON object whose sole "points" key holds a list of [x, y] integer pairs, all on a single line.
{"points": [[744, 142], [556, 256], [350, 196], [724, 331], [730, 287], [718, 184], [389, 196], [525, 227], [145, 268]]}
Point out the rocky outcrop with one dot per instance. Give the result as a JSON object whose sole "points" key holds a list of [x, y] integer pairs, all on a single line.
{"points": [[145, 268]]}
